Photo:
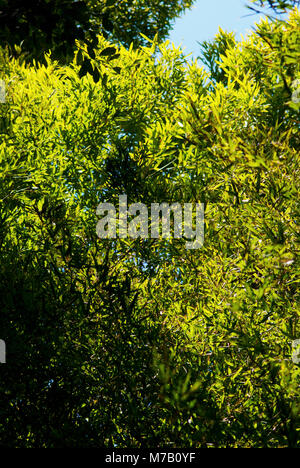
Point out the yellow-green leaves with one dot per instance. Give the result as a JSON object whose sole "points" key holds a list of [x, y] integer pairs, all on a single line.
{"points": [[140, 342]]}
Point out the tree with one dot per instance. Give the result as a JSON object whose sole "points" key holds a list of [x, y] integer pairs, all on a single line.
{"points": [[278, 5], [142, 343], [43, 25]]}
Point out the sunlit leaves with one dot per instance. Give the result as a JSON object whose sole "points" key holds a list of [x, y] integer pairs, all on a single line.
{"points": [[139, 342]]}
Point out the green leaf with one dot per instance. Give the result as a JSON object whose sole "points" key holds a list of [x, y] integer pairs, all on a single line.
{"points": [[108, 51]]}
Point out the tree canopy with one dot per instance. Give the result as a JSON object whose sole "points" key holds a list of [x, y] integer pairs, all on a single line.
{"points": [[43, 25], [277, 5], [140, 342]]}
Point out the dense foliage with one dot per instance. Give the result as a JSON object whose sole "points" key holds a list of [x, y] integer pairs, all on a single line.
{"points": [[40, 25], [142, 343]]}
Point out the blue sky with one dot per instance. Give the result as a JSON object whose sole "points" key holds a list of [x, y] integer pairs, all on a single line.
{"points": [[203, 20]]}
